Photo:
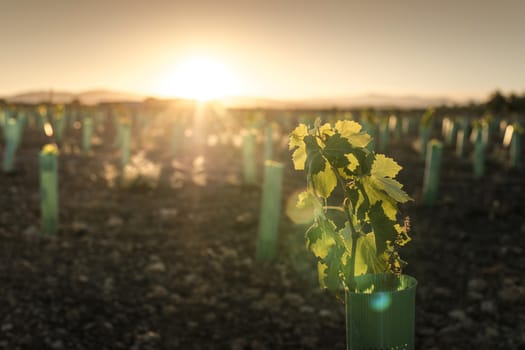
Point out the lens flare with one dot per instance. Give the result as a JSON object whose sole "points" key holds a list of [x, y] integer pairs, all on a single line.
{"points": [[380, 301]]}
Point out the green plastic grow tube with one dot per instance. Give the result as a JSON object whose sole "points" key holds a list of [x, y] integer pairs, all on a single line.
{"points": [[268, 145], [383, 318], [49, 189], [60, 122], [479, 155], [460, 143], [451, 132], [370, 129], [432, 169], [270, 211], [177, 134], [407, 123], [424, 136], [249, 158], [12, 136], [87, 131], [118, 136], [384, 136], [515, 149], [125, 144], [394, 124]]}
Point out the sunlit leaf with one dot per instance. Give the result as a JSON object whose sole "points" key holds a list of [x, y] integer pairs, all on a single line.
{"points": [[335, 150], [366, 260], [333, 261], [365, 159], [299, 158], [325, 182], [320, 241], [296, 140], [367, 255], [315, 162], [383, 227], [326, 130], [297, 135], [304, 199], [383, 171], [321, 273], [402, 235], [346, 234], [391, 187], [353, 162], [307, 199], [376, 195], [347, 127], [312, 235], [363, 202], [320, 237], [351, 131], [385, 167]]}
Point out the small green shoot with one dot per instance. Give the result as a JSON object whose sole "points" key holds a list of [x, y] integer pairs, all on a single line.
{"points": [[366, 237], [49, 188]]}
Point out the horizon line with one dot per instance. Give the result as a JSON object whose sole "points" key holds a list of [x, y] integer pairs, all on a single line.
{"points": [[463, 97]]}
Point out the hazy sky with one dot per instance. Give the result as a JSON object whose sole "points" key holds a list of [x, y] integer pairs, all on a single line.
{"points": [[283, 49]]}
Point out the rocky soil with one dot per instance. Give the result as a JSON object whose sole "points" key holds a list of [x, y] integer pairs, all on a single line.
{"points": [[168, 262]]}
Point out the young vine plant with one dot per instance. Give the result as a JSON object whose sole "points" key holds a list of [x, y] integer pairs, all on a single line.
{"points": [[367, 236]]}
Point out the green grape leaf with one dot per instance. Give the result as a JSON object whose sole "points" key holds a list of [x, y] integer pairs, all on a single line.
{"points": [[335, 150], [312, 235], [322, 245], [392, 187], [351, 131], [347, 127], [367, 260], [330, 270], [376, 195], [383, 227], [296, 140], [346, 234], [353, 196], [320, 237], [303, 199], [297, 136], [353, 162], [363, 202], [383, 171], [324, 182], [326, 130], [307, 199], [365, 159], [315, 162], [385, 167], [321, 273], [327, 225], [402, 235], [299, 158]]}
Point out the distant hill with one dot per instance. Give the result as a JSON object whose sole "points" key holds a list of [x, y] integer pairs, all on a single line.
{"points": [[383, 100], [88, 97], [359, 101], [369, 100]]}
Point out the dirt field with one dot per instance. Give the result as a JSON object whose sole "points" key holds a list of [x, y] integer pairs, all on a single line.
{"points": [[172, 266]]}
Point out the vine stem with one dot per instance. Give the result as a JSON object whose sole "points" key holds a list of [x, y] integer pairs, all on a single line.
{"points": [[355, 234], [332, 207], [346, 206]]}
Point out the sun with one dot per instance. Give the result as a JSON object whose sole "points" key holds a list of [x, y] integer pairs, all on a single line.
{"points": [[201, 78]]}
